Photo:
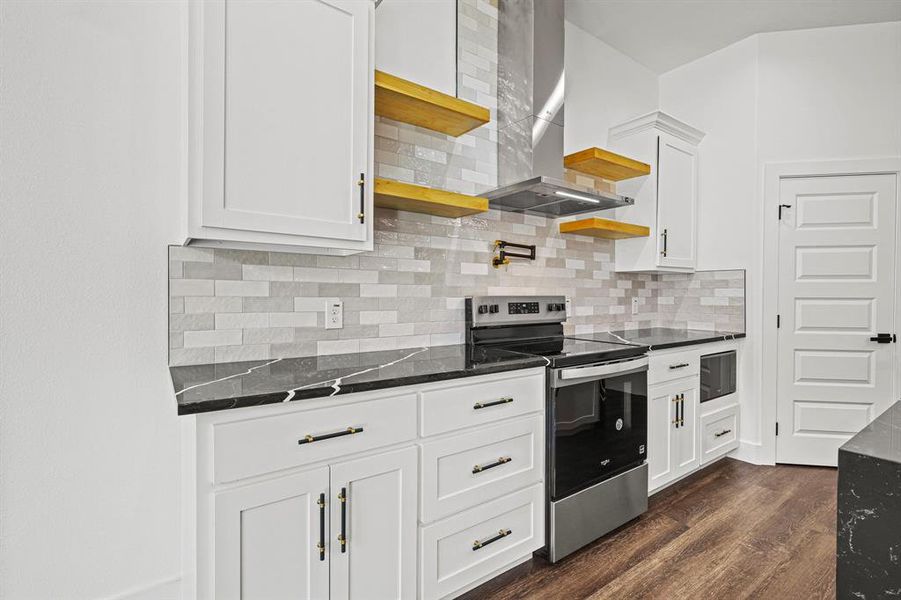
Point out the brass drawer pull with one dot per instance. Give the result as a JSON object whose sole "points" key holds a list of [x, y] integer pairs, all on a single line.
{"points": [[476, 545], [309, 438], [478, 405], [501, 461], [722, 433]]}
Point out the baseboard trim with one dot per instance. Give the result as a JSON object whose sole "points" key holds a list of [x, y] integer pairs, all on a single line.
{"points": [[750, 452], [164, 589]]}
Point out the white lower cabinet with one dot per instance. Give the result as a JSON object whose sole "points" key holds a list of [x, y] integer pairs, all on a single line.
{"points": [[373, 510], [352, 526], [672, 431], [683, 433], [321, 498], [266, 537], [471, 545], [719, 432]]}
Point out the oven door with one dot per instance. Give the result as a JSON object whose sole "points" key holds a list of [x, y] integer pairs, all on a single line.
{"points": [[597, 421]]}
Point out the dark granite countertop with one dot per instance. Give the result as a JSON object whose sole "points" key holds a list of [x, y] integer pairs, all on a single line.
{"points": [[658, 338], [880, 439], [206, 388]]}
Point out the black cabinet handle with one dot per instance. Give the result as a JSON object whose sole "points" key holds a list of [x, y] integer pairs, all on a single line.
{"points": [[362, 183], [309, 438], [678, 366], [722, 433], [342, 537], [884, 338], [478, 544], [682, 404], [501, 461], [665, 235], [479, 405], [321, 545]]}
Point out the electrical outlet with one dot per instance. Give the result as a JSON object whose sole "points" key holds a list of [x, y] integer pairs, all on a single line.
{"points": [[569, 308], [334, 314], [635, 305]]}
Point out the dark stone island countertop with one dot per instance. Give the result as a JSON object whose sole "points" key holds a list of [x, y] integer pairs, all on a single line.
{"points": [[868, 561], [205, 388], [658, 338]]}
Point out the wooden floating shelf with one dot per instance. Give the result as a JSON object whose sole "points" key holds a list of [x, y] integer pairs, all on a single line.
{"points": [[604, 228], [410, 102], [421, 199], [605, 164]]}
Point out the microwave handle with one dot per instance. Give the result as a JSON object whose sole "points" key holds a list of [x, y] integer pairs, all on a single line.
{"points": [[597, 371]]}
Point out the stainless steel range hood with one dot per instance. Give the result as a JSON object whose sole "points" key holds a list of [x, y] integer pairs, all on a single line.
{"points": [[530, 89]]}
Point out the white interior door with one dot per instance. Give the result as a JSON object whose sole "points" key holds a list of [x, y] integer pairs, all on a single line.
{"points": [[837, 278], [287, 88]]}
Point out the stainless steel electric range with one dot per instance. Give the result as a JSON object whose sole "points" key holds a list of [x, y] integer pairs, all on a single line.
{"points": [[596, 401]]}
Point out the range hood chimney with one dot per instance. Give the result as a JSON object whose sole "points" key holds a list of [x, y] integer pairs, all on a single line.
{"points": [[530, 89]]}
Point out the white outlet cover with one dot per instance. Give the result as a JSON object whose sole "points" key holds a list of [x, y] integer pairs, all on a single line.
{"points": [[635, 305], [334, 314]]}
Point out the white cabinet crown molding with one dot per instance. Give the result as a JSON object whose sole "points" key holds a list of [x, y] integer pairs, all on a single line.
{"points": [[661, 121]]}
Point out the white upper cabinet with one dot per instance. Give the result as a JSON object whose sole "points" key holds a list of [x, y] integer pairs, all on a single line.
{"points": [[666, 200], [281, 123], [417, 41]]}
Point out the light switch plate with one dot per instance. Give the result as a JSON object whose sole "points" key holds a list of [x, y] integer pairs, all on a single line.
{"points": [[334, 314]]}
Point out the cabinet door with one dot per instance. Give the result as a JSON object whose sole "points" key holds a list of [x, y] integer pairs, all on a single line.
{"points": [[377, 519], [677, 192], [266, 537], [287, 112], [661, 430], [686, 438]]}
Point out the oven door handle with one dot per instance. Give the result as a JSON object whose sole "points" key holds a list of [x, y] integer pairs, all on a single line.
{"points": [[618, 368]]}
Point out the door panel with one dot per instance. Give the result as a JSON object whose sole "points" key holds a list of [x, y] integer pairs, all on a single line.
{"points": [[286, 135], [266, 540], [662, 413], [381, 520], [686, 439], [837, 277], [677, 180]]}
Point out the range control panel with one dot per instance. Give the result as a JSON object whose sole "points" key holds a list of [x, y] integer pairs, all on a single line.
{"points": [[485, 311], [523, 308]]}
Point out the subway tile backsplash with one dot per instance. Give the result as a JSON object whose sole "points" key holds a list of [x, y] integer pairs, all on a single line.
{"points": [[230, 305]]}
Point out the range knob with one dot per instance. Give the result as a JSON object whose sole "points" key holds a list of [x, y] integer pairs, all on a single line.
{"points": [[551, 307], [483, 309], [493, 308], [561, 307]]}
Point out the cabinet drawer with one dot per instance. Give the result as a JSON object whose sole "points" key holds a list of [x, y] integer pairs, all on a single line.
{"points": [[719, 432], [673, 365], [470, 469], [463, 548], [246, 448], [462, 406]]}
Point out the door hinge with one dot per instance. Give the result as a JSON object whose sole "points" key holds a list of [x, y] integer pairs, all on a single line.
{"points": [[777, 427], [778, 321], [781, 206]]}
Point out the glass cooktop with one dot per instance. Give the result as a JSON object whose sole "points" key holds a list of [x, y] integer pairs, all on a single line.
{"points": [[564, 351]]}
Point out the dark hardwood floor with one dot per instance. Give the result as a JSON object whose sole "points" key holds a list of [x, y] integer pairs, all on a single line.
{"points": [[733, 530]]}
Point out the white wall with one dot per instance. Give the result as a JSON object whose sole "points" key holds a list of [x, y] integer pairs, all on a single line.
{"points": [[830, 93], [790, 96], [91, 172], [604, 87]]}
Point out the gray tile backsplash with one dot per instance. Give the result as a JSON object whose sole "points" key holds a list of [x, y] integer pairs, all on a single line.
{"points": [[409, 291], [231, 305]]}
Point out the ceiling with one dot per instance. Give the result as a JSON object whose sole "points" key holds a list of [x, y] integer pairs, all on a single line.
{"points": [[664, 34]]}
